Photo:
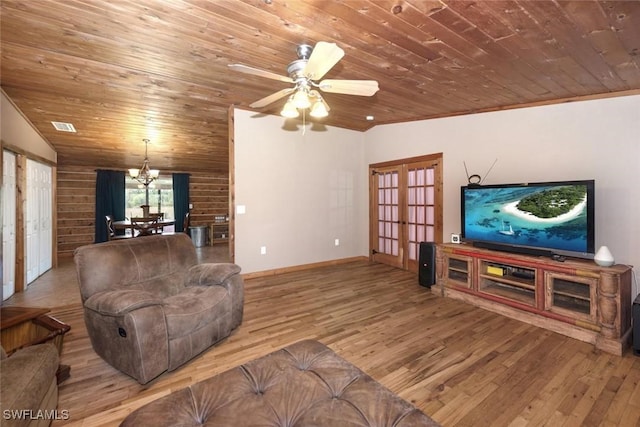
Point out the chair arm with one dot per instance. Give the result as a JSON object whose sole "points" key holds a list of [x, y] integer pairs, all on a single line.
{"points": [[209, 274], [119, 302], [27, 375]]}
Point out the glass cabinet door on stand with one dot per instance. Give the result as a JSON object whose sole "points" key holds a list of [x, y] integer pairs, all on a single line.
{"points": [[571, 295], [458, 271]]}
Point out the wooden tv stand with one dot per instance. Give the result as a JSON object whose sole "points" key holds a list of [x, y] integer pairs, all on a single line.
{"points": [[576, 298]]}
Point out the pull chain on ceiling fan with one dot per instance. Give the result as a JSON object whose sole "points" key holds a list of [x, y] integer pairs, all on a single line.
{"points": [[312, 64]]}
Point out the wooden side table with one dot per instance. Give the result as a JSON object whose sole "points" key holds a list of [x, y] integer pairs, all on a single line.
{"points": [[24, 326]]}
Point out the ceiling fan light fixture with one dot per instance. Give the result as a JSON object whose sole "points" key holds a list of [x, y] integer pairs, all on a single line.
{"points": [[319, 109], [289, 110], [312, 64], [301, 99]]}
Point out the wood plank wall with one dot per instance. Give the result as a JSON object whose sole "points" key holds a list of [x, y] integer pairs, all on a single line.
{"points": [[209, 194], [210, 197], [76, 208]]}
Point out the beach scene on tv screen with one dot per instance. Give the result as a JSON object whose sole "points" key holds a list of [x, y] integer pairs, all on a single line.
{"points": [[553, 217]]}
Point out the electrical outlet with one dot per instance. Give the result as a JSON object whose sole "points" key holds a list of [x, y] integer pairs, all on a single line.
{"points": [[263, 250], [337, 242]]}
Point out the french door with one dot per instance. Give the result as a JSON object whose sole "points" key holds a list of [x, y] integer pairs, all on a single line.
{"points": [[405, 209]]}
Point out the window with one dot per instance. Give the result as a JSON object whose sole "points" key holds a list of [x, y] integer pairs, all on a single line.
{"points": [[160, 197]]}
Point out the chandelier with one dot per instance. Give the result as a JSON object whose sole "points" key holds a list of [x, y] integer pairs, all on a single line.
{"points": [[144, 175]]}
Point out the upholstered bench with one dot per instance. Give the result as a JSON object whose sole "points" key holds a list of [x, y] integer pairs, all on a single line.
{"points": [[305, 384]]}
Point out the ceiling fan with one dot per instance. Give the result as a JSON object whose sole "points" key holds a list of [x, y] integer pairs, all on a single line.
{"points": [[312, 64]]}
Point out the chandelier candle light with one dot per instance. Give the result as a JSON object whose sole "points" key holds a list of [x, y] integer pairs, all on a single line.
{"points": [[145, 175]]}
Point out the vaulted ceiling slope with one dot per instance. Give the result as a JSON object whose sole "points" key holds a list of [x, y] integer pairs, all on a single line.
{"points": [[124, 70]]}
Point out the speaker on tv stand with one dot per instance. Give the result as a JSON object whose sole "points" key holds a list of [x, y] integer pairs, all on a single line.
{"points": [[427, 264], [636, 326]]}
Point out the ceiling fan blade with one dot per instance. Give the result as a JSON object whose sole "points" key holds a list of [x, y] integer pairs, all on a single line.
{"points": [[323, 58], [350, 87], [258, 72], [272, 98]]}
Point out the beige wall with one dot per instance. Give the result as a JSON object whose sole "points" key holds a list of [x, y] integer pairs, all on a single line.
{"points": [[300, 191], [17, 132]]}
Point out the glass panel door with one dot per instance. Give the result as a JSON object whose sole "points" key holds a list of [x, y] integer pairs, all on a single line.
{"points": [[421, 209], [387, 245], [406, 209]]}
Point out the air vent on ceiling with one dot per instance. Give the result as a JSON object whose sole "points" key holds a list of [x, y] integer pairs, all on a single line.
{"points": [[64, 127]]}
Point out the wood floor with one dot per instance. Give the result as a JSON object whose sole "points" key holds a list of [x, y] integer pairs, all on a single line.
{"points": [[461, 365]]}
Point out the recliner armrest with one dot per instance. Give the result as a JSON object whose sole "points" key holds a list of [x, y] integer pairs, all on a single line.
{"points": [[119, 302], [209, 274], [26, 377]]}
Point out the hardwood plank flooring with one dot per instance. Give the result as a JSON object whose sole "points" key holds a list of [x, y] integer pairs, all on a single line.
{"points": [[461, 365]]}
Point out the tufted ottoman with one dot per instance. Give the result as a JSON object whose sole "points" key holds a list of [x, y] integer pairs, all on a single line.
{"points": [[304, 384]]}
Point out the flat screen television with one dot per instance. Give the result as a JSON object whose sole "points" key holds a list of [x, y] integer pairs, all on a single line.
{"points": [[543, 218]]}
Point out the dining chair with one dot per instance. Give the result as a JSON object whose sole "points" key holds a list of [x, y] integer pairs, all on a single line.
{"points": [[145, 226], [154, 224], [160, 218], [185, 223], [111, 231], [151, 223]]}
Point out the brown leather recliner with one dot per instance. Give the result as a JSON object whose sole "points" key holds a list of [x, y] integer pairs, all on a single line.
{"points": [[149, 307]]}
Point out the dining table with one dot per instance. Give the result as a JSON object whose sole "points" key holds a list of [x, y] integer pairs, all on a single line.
{"points": [[143, 226]]}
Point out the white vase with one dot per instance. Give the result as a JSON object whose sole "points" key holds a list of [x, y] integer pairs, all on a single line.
{"points": [[604, 257]]}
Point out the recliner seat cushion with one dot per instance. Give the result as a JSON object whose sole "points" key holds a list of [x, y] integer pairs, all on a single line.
{"points": [[194, 308]]}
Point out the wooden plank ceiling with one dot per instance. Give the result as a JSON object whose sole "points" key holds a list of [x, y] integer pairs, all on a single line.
{"points": [[124, 70]]}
